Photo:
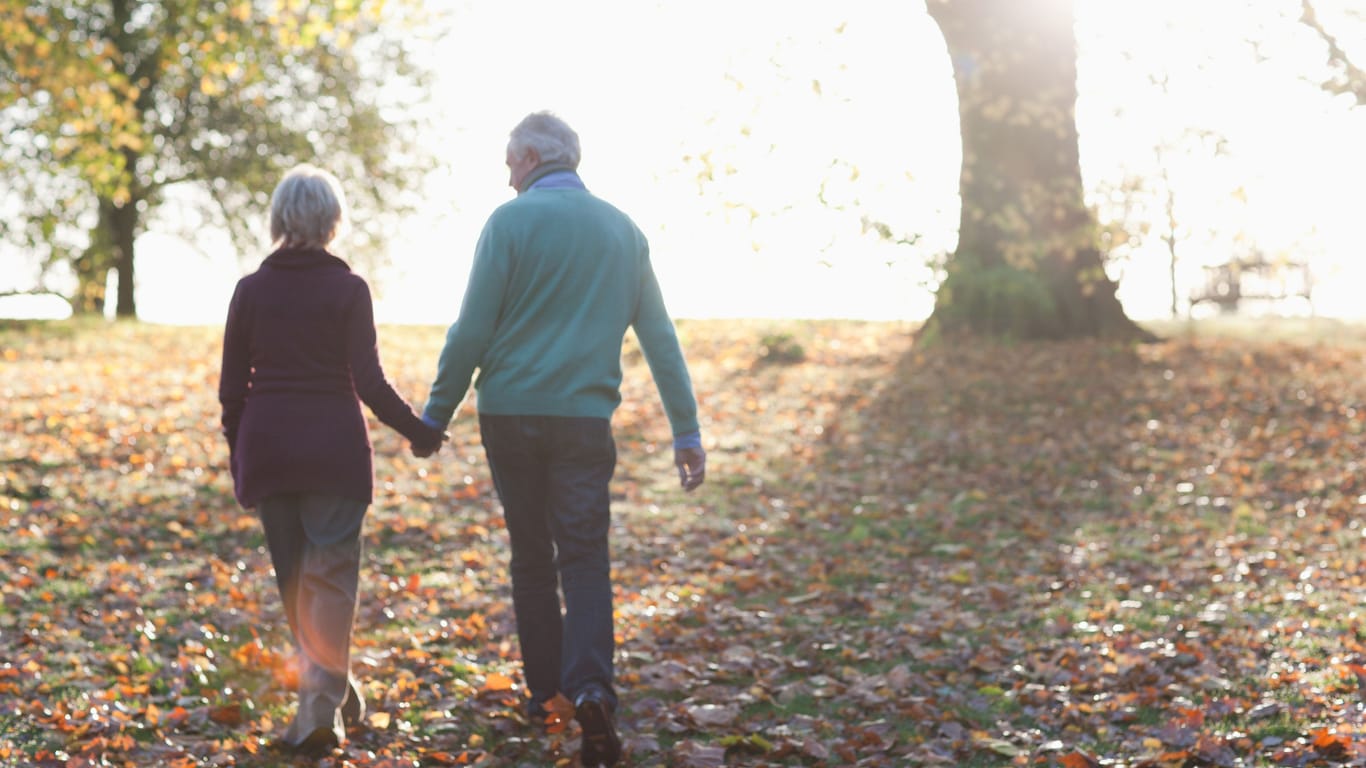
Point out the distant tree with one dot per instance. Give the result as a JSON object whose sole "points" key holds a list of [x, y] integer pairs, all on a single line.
{"points": [[1346, 77], [1027, 263], [110, 107], [1145, 203]]}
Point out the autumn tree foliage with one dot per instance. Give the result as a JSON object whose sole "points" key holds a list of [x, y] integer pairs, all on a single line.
{"points": [[1027, 263], [111, 108]]}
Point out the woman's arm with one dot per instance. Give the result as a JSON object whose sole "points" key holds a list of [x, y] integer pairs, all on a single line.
{"points": [[234, 378], [367, 375]]}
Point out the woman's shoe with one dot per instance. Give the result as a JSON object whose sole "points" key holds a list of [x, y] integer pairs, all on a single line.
{"points": [[353, 707], [319, 742]]}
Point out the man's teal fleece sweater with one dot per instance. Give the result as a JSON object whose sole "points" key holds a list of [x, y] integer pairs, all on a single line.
{"points": [[558, 277]]}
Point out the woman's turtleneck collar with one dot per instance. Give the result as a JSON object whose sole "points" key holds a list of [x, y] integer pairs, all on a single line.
{"points": [[290, 257]]}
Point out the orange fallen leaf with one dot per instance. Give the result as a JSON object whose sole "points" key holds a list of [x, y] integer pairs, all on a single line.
{"points": [[227, 714], [1078, 760], [1173, 759], [496, 683], [1330, 743]]}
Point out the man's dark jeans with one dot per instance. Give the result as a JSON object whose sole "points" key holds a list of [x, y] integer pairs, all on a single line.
{"points": [[552, 474]]}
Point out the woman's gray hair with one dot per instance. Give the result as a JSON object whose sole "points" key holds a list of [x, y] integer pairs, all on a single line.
{"points": [[307, 208], [551, 137]]}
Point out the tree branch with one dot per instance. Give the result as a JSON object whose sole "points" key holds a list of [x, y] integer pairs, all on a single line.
{"points": [[1354, 82], [31, 292]]}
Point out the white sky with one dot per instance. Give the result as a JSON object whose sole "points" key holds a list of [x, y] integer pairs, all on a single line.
{"points": [[856, 99]]}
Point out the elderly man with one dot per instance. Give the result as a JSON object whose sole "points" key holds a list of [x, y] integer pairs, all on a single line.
{"points": [[558, 277]]}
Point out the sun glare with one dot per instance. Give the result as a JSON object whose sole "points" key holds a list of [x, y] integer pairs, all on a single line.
{"points": [[801, 160]]}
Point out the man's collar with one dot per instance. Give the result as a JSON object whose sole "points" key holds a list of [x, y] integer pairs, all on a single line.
{"points": [[540, 172]]}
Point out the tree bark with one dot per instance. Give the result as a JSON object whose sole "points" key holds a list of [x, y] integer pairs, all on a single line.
{"points": [[90, 286], [123, 223], [111, 247], [123, 213], [1027, 264], [92, 266]]}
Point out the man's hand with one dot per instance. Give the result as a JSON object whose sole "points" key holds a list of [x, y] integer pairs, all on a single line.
{"points": [[430, 449], [692, 466]]}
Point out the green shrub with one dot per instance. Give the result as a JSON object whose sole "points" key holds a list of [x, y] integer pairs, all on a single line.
{"points": [[779, 349], [999, 301]]}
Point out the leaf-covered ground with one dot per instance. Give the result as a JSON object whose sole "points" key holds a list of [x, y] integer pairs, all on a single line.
{"points": [[1059, 554]]}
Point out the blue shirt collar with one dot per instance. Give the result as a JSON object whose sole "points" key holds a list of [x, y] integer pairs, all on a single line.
{"points": [[554, 176]]}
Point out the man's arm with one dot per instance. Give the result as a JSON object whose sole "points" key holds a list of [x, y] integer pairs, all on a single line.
{"points": [[469, 336], [664, 355], [658, 340]]}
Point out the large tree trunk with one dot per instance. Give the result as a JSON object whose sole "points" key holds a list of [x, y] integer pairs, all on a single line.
{"points": [[93, 265], [124, 231], [90, 284], [122, 214], [111, 247], [1027, 264]]}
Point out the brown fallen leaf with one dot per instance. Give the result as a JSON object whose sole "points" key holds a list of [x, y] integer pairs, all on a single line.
{"points": [[227, 714]]}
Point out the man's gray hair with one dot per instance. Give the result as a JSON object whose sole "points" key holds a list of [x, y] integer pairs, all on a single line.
{"points": [[307, 208], [551, 137]]}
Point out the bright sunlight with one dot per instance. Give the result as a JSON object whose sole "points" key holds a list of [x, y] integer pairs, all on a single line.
{"points": [[801, 161]]}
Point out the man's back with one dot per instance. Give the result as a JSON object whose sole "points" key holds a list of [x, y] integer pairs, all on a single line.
{"points": [[574, 272], [558, 277]]}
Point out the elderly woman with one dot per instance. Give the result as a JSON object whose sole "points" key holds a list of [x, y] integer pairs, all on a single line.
{"points": [[299, 357]]}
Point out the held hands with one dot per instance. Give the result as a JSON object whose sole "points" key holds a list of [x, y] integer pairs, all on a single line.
{"points": [[437, 435], [692, 466], [427, 450]]}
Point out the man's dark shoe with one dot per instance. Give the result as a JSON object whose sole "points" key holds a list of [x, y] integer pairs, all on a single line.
{"points": [[535, 711], [601, 745]]}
